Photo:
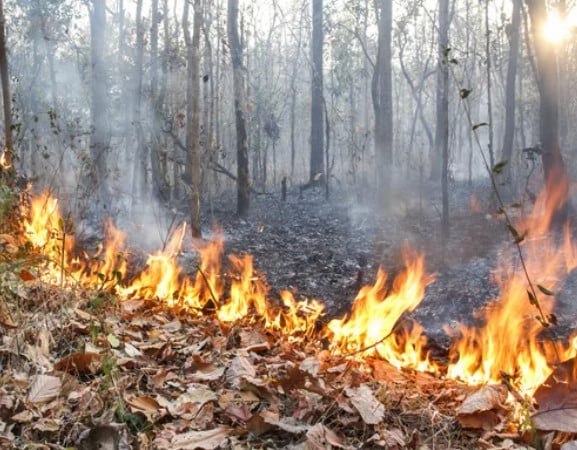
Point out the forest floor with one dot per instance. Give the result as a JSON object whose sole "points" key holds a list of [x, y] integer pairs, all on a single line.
{"points": [[82, 370]]}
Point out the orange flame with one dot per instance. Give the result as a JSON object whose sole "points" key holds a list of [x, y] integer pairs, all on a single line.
{"points": [[5, 162], [375, 313], [513, 341]]}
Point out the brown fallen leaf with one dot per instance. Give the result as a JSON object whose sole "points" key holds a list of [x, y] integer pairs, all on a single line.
{"points": [[557, 400], [482, 409], [206, 440], [146, 405], [371, 410], [80, 364], [320, 437], [44, 388]]}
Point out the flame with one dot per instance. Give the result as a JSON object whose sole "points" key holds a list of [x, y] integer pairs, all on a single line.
{"points": [[5, 160], [163, 278], [514, 340], [510, 342], [375, 313]]}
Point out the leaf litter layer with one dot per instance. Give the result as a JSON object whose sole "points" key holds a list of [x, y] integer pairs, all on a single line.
{"points": [[83, 368]]}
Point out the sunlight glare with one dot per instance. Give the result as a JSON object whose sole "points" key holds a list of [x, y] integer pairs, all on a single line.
{"points": [[556, 28]]}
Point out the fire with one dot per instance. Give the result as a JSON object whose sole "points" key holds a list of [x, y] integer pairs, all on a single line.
{"points": [[5, 162], [515, 340], [375, 313], [163, 278], [510, 342]]}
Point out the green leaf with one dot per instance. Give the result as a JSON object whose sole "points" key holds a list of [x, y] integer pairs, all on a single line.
{"points": [[500, 166], [479, 125], [516, 205], [532, 298], [546, 291], [464, 93]]}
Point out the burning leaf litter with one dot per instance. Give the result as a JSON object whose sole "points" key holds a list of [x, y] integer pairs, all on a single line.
{"points": [[199, 370]]}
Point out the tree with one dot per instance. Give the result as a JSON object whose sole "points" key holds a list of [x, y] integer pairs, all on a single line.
{"points": [[382, 93], [96, 176], [317, 117], [554, 170], [6, 99], [193, 114], [243, 182], [509, 134], [441, 154]]}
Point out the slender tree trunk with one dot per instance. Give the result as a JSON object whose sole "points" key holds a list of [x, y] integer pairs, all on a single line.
{"points": [[383, 98], [193, 114], [139, 177], [317, 119], [489, 85], [510, 90], [442, 129], [96, 178], [6, 99], [243, 183], [556, 178], [159, 185]]}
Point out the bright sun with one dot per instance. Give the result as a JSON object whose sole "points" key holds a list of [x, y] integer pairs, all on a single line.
{"points": [[556, 29]]}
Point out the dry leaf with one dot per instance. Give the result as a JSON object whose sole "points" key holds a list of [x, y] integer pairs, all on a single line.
{"points": [[287, 424], [206, 440], [237, 398], [131, 350], [25, 416], [44, 388], [482, 408], [240, 368], [146, 405], [557, 400], [80, 364], [320, 437], [254, 340], [371, 410]]}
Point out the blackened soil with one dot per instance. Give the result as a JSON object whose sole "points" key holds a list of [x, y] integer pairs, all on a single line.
{"points": [[328, 249]]}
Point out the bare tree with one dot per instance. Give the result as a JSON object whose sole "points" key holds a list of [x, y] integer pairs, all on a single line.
{"points": [[193, 113], [243, 182], [96, 174], [441, 153], [317, 117], [510, 91], [5, 94], [382, 94]]}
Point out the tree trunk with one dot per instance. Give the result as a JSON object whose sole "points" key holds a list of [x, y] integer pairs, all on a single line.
{"points": [[159, 185], [442, 128], [243, 183], [381, 88], [6, 165], [96, 177], [555, 172], [193, 114], [139, 175], [510, 90], [489, 86], [317, 137]]}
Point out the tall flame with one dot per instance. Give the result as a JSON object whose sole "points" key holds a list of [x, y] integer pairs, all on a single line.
{"points": [[377, 310], [513, 340]]}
